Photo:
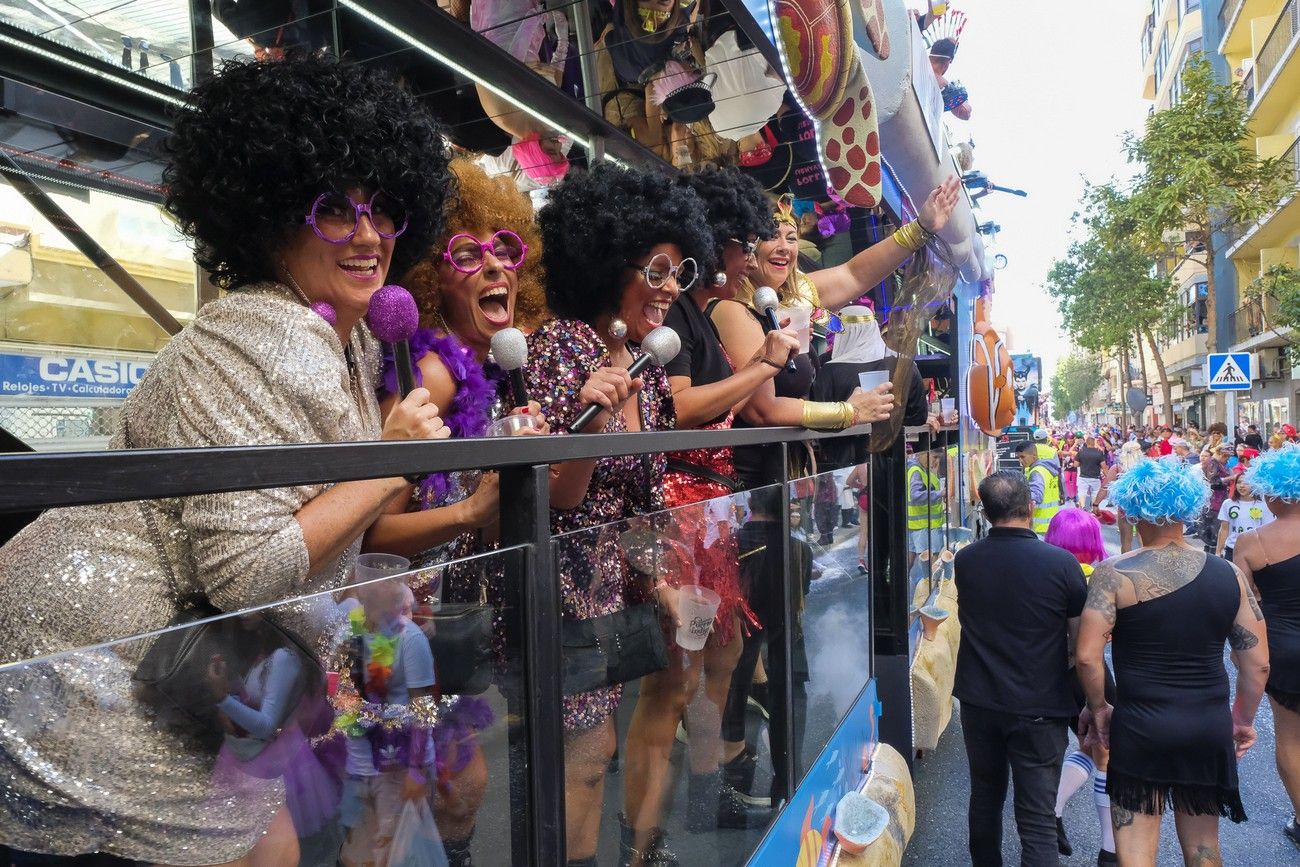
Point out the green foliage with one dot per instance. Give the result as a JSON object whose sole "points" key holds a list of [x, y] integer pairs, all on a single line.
{"points": [[1074, 381], [1196, 167], [1282, 284], [1104, 287]]}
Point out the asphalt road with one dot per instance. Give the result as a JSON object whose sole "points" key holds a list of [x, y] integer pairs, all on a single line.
{"points": [[942, 789]]}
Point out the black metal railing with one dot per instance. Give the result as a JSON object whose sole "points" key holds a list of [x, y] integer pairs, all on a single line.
{"points": [[1291, 172], [1277, 43], [537, 781]]}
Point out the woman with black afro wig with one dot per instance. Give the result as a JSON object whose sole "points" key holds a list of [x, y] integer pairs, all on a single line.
{"points": [[619, 246], [303, 184]]}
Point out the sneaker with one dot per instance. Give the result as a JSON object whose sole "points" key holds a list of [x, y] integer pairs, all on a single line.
{"points": [[862, 567], [1292, 831], [1062, 841]]}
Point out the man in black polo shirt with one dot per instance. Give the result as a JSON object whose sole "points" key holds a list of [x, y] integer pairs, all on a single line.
{"points": [[1021, 599]]}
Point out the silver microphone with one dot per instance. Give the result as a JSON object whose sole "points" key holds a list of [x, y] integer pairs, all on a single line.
{"points": [[510, 353], [766, 302], [658, 348]]}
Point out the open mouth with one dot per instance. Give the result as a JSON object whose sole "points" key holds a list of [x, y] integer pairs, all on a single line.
{"points": [[361, 267], [495, 304], [655, 311]]}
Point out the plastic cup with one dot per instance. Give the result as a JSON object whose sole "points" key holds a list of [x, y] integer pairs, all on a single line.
{"points": [[801, 321], [870, 380], [372, 566], [697, 607], [511, 425]]}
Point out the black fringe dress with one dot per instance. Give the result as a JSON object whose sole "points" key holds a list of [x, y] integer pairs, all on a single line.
{"points": [[1171, 734]]}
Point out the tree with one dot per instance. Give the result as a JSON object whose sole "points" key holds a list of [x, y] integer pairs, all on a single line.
{"points": [[1076, 378], [1106, 289], [1282, 284], [1198, 176]]}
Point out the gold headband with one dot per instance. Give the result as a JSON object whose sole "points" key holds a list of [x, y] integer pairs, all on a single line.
{"points": [[785, 211]]}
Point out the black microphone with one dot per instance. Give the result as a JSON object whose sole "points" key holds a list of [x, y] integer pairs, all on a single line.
{"points": [[766, 302], [659, 347], [510, 353]]}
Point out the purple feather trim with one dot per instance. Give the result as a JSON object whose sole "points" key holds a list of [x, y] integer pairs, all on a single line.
{"points": [[470, 409]]}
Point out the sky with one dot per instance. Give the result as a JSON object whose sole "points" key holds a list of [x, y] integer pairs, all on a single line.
{"points": [[1053, 87]]}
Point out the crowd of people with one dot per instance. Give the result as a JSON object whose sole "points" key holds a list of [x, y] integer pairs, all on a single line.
{"points": [[1160, 731], [328, 730]]}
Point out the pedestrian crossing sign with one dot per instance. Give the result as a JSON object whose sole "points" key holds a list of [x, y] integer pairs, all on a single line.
{"points": [[1229, 371]]}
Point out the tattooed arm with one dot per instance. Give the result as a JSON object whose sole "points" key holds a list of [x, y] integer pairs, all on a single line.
{"points": [[1250, 653], [1097, 622]]}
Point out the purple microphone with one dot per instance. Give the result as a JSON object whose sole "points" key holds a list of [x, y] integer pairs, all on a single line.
{"points": [[393, 318]]}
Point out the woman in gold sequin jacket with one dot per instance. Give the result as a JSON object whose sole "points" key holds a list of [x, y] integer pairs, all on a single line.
{"points": [[303, 184]]}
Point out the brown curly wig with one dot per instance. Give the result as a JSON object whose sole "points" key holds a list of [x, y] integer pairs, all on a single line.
{"points": [[483, 202]]}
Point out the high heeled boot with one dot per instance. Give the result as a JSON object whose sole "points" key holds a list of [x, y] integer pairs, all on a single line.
{"points": [[653, 854], [458, 854]]}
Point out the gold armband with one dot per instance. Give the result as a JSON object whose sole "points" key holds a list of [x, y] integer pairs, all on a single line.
{"points": [[822, 415], [912, 236]]}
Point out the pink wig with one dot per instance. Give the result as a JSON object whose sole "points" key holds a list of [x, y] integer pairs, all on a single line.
{"points": [[1077, 531]]}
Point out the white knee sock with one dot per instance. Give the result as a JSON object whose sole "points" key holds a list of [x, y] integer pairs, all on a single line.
{"points": [[1075, 772], [1102, 800]]}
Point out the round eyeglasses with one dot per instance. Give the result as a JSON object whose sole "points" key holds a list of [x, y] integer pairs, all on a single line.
{"points": [[660, 269], [468, 254], [334, 217], [746, 247]]}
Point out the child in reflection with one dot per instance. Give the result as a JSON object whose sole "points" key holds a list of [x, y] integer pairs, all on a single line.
{"points": [[390, 755]]}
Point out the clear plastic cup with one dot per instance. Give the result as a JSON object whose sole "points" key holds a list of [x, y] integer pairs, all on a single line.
{"points": [[511, 425], [870, 380], [801, 321], [948, 410], [697, 607], [372, 566]]}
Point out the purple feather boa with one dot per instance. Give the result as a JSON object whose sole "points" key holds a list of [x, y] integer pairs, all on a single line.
{"points": [[471, 408]]}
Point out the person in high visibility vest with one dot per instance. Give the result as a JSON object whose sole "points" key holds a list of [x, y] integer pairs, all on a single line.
{"points": [[1044, 475], [925, 507]]}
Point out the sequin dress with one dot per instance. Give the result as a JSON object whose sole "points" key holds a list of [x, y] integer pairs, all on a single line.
{"points": [[562, 354], [83, 767]]}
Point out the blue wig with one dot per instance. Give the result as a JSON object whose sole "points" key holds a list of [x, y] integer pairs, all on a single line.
{"points": [[1276, 474], [1161, 491]]}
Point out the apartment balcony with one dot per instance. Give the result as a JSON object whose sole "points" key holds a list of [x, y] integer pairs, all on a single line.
{"points": [[1254, 326], [1275, 229], [1234, 23], [1276, 73]]}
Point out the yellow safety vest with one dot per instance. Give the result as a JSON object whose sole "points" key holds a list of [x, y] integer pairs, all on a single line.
{"points": [[1051, 504], [1045, 452], [921, 516]]}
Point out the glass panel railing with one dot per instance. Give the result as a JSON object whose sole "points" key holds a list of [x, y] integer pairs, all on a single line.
{"points": [[831, 604], [676, 684], [366, 725]]}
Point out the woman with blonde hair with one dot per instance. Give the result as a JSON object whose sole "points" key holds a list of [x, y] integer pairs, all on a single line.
{"points": [[1130, 456]]}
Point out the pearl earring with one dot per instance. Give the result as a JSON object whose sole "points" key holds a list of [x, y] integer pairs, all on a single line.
{"points": [[720, 278], [617, 329]]}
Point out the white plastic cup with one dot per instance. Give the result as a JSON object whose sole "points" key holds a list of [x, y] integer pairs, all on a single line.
{"points": [[948, 410], [801, 321], [697, 606], [870, 380], [372, 566], [511, 425]]}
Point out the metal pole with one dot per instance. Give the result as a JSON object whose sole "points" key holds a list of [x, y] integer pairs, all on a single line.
{"points": [[580, 20], [783, 762], [202, 39], [889, 597], [536, 737], [88, 246]]}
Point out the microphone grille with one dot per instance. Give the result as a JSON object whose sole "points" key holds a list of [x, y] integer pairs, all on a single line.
{"points": [[392, 316], [509, 349], [765, 298], [662, 345]]}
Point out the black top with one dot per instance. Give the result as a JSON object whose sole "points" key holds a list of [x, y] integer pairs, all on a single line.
{"points": [[750, 467], [1090, 459], [836, 381], [1254, 441], [702, 357], [1017, 594], [1172, 727], [1279, 596]]}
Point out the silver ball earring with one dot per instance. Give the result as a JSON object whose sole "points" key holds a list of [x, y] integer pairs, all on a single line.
{"points": [[617, 329], [720, 278]]}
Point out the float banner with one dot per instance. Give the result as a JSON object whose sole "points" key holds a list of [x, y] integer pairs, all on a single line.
{"points": [[68, 376], [802, 833]]}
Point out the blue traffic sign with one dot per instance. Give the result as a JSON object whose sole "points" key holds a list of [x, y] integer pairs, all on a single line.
{"points": [[1229, 371]]}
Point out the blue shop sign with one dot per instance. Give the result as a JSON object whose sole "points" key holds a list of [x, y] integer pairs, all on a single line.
{"points": [[68, 376]]}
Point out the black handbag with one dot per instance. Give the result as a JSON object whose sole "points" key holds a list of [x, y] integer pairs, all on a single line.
{"points": [[461, 640], [613, 648]]}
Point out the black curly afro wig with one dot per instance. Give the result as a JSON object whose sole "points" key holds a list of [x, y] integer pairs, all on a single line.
{"points": [[737, 205], [595, 222], [260, 141]]}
